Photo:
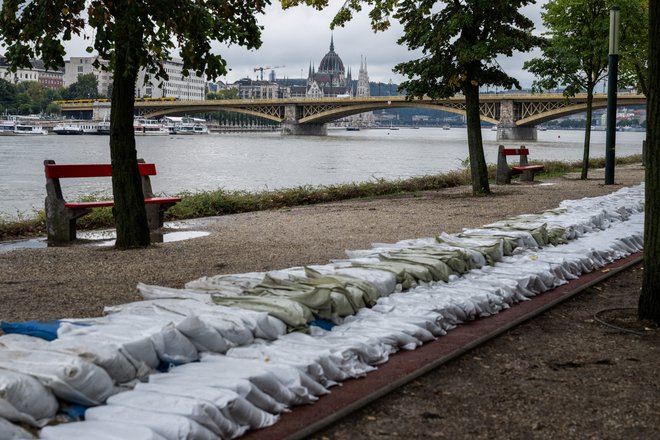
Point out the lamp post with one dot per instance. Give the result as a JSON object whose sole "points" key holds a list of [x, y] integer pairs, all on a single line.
{"points": [[612, 80]]}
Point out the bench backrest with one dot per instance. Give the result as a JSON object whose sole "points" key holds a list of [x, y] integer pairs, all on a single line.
{"points": [[55, 171], [514, 151]]}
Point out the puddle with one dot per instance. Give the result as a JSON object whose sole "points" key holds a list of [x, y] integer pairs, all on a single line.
{"points": [[35, 243], [105, 238]]}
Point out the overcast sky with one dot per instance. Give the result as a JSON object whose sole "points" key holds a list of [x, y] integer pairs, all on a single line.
{"points": [[300, 35]]}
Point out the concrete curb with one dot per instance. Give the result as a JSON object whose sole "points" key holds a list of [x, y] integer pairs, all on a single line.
{"points": [[404, 367]]}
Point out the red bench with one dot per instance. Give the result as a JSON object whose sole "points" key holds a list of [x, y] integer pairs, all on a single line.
{"points": [[526, 171], [61, 215]]}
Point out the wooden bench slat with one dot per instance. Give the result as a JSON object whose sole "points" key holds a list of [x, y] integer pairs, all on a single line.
{"points": [[107, 203], [528, 167], [515, 152], [55, 171], [99, 204]]}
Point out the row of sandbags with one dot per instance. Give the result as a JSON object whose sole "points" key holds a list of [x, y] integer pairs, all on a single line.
{"points": [[409, 298]]}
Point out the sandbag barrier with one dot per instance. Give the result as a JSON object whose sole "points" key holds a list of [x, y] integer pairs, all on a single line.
{"points": [[233, 360]]}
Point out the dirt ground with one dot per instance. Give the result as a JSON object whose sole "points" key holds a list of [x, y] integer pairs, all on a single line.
{"points": [[562, 375]]}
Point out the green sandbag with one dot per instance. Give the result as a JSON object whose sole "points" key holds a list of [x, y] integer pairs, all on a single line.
{"points": [[369, 292], [438, 269], [292, 313], [317, 299]]}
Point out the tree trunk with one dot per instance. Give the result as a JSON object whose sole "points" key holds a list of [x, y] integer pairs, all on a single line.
{"points": [[478, 168], [587, 132], [129, 211], [649, 300]]}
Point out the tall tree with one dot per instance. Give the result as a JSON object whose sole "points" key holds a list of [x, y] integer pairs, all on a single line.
{"points": [[649, 300], [460, 41], [633, 68], [575, 53], [86, 87], [130, 35]]}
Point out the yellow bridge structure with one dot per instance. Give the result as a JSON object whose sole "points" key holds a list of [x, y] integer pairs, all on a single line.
{"points": [[516, 115]]}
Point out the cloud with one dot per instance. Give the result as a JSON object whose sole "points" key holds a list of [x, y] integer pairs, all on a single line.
{"points": [[299, 36]]}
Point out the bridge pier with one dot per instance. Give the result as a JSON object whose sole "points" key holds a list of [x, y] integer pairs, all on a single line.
{"points": [[509, 132], [292, 128]]}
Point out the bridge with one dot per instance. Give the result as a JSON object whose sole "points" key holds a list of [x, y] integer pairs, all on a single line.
{"points": [[516, 115]]}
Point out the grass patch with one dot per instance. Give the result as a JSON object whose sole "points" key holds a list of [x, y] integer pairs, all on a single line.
{"points": [[222, 202]]}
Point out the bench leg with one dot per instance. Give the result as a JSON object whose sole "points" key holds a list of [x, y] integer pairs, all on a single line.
{"points": [[527, 176], [156, 214], [503, 177], [61, 222]]}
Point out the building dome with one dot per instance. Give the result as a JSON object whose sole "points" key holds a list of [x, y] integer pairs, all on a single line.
{"points": [[331, 63]]}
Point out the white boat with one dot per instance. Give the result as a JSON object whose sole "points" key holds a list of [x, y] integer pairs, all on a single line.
{"points": [[103, 127], [67, 129], [186, 125], [81, 128], [16, 128], [149, 127]]}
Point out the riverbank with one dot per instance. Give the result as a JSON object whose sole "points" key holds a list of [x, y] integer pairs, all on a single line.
{"points": [[223, 202]]}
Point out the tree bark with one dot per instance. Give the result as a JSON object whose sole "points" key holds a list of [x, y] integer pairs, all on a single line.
{"points": [[478, 168], [649, 300], [587, 132], [129, 211]]}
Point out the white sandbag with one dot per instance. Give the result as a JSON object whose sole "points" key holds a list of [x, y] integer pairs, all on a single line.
{"points": [[67, 376], [242, 387], [235, 326], [26, 399], [200, 411], [149, 292], [9, 431], [271, 381], [138, 348], [104, 355], [203, 336], [230, 403], [173, 347], [164, 425], [99, 430], [302, 361]]}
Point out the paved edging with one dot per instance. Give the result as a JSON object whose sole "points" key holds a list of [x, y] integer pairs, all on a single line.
{"points": [[405, 366]]}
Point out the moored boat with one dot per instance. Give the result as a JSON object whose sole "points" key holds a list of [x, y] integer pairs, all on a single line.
{"points": [[16, 128], [67, 129], [149, 127], [186, 125]]}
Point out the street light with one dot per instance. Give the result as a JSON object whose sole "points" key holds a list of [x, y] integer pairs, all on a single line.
{"points": [[612, 77]]}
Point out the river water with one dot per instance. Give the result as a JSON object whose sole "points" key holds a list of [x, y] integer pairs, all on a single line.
{"points": [[258, 161]]}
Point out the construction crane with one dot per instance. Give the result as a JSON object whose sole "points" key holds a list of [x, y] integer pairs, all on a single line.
{"points": [[261, 69]]}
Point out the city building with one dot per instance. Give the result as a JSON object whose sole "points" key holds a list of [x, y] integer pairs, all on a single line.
{"points": [[52, 79], [76, 66], [331, 78], [257, 89], [183, 88]]}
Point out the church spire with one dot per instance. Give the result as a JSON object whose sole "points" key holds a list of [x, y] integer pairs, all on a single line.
{"points": [[332, 43]]}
